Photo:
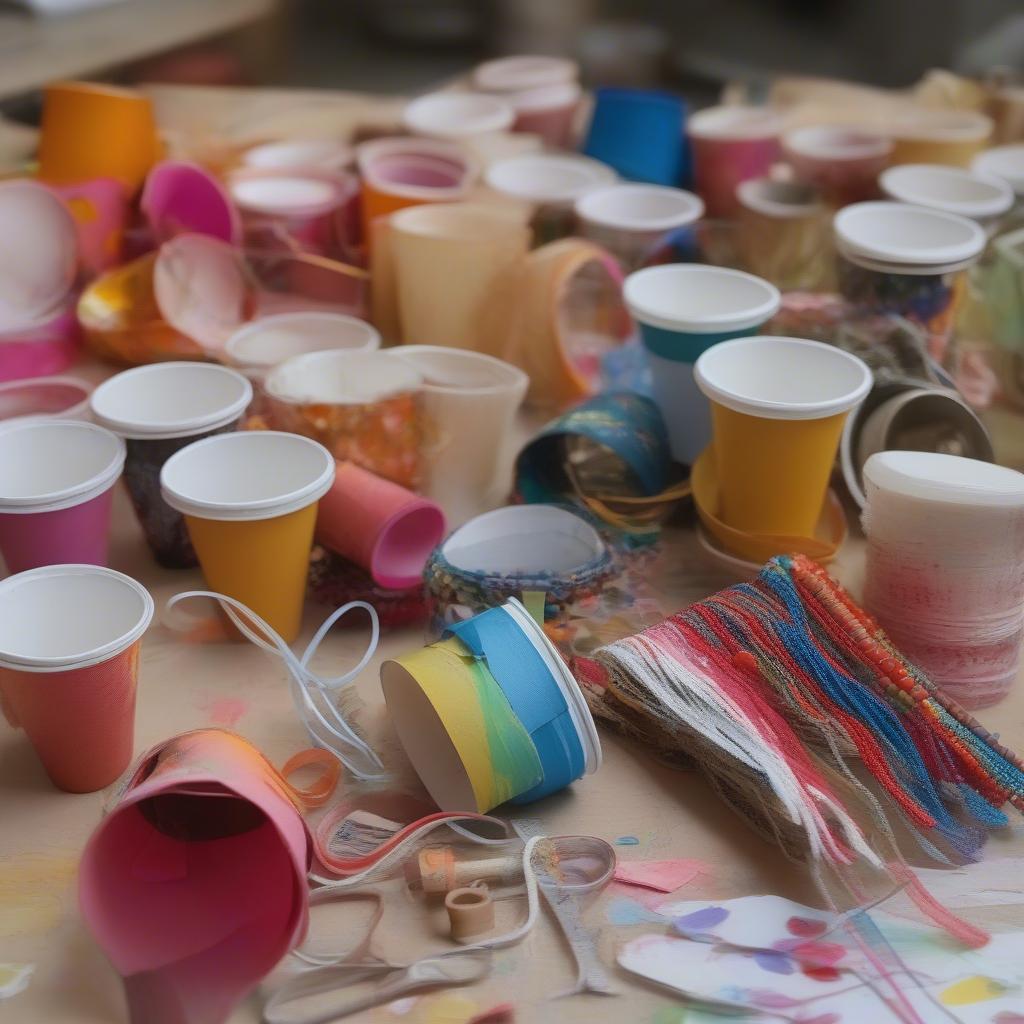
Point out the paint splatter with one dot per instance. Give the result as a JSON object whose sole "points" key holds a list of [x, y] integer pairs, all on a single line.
{"points": [[446, 1009], [805, 927], [775, 963], [975, 989], [31, 892], [504, 1013], [624, 913], [226, 711], [700, 921], [627, 841], [14, 978]]}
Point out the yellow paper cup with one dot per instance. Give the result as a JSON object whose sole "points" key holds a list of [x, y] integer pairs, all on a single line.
{"points": [[777, 409], [250, 501], [953, 137]]}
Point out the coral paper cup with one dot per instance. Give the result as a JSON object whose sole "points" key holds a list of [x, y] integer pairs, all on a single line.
{"points": [[160, 409], [56, 484], [778, 406], [250, 502], [683, 309], [380, 526], [632, 221], [62, 398], [69, 652], [843, 162], [548, 111]]}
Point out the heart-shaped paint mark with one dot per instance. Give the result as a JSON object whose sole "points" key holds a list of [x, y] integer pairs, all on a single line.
{"points": [[806, 927]]}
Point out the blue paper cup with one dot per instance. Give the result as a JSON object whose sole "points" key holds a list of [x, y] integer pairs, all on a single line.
{"points": [[640, 133], [683, 309]]}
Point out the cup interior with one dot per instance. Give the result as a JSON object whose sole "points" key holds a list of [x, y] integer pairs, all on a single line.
{"points": [[270, 340], [450, 370], [342, 378], [455, 114], [247, 475], [171, 400], [548, 178], [640, 207], [43, 462], [524, 539], [463, 222], [404, 546], [780, 199], [699, 299], [284, 192], [836, 144], [299, 153], [782, 378], [430, 165], [1005, 162], [61, 616], [972, 194], [57, 397]]}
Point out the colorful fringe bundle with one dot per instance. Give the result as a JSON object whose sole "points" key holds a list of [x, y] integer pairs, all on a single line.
{"points": [[773, 688]]}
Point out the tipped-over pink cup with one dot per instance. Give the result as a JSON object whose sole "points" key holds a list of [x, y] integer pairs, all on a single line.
{"points": [[69, 656], [56, 489], [384, 528]]}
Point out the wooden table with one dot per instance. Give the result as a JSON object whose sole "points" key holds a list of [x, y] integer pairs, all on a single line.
{"points": [[672, 814]]}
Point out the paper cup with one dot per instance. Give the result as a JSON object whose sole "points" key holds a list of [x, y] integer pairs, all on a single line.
{"points": [[384, 528], [639, 132], [514, 74], [39, 349], [100, 211], [159, 410], [972, 194], [778, 406], [926, 136], [365, 407], [249, 500], [300, 154], [548, 111], [1005, 163], [470, 401], [633, 221], [69, 651], [62, 398], [38, 255], [96, 131], [458, 251], [457, 115], [404, 172], [262, 344], [844, 163], [731, 145], [484, 730], [180, 197], [907, 260], [683, 310], [56, 487]]}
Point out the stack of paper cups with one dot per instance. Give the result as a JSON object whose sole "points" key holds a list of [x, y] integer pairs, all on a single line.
{"points": [[69, 656], [250, 502], [945, 567]]}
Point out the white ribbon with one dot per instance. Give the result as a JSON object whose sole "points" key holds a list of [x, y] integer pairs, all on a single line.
{"points": [[315, 697]]}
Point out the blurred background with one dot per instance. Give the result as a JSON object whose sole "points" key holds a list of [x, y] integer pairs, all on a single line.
{"points": [[401, 46]]}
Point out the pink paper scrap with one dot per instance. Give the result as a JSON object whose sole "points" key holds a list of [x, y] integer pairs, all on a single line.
{"points": [[660, 875]]}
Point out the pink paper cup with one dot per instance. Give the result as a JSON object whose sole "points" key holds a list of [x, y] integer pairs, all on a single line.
{"points": [[63, 398], [380, 526], [69, 654], [56, 484], [100, 210], [181, 197]]}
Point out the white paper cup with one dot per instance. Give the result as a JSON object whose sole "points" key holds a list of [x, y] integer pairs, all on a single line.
{"points": [[631, 221], [905, 237], [250, 500], [262, 344], [299, 154], [168, 400], [972, 194], [342, 378], [1005, 163], [683, 309], [457, 115], [470, 402], [548, 178], [514, 74]]}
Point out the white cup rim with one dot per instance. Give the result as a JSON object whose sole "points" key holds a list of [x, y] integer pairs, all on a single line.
{"points": [[600, 207], [523, 71], [1004, 162], [941, 126], [734, 123], [403, 377], [752, 314], [705, 374], [916, 184], [458, 115], [539, 98], [569, 176], [756, 194], [326, 154], [234, 347], [514, 379], [417, 146], [74, 494], [944, 479], [104, 399], [824, 142], [96, 655], [856, 232], [271, 506]]}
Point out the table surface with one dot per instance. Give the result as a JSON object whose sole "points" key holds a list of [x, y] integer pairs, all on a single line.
{"points": [[183, 686], [36, 50]]}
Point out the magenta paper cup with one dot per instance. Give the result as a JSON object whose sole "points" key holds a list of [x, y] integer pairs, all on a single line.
{"points": [[158, 410], [181, 197], [56, 398], [56, 488]]}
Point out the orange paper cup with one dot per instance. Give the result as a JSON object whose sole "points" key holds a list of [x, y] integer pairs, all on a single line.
{"points": [[250, 502], [777, 410], [96, 131], [69, 655]]}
